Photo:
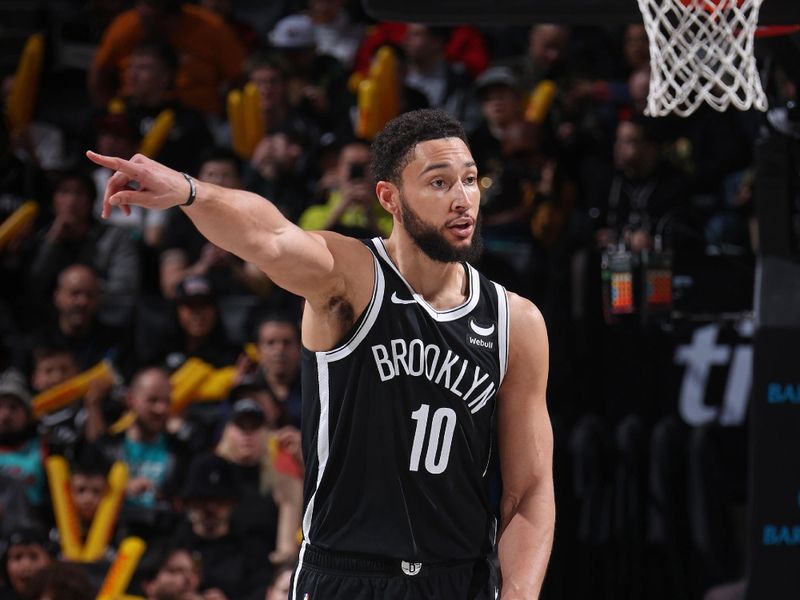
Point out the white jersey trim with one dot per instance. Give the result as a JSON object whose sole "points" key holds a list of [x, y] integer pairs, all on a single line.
{"points": [[323, 445], [297, 569], [323, 383], [503, 323], [442, 316], [372, 310]]}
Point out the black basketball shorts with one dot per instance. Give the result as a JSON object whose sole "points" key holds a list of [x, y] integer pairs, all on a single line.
{"points": [[324, 575]]}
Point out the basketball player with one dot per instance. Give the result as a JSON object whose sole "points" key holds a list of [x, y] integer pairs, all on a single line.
{"points": [[409, 354]]}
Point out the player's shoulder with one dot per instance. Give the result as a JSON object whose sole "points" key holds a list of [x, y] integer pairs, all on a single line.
{"points": [[523, 310], [352, 259], [527, 328]]}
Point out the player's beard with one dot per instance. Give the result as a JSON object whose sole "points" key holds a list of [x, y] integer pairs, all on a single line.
{"points": [[433, 244]]}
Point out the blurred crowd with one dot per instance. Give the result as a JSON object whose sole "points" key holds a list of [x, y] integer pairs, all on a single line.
{"points": [[570, 168]]}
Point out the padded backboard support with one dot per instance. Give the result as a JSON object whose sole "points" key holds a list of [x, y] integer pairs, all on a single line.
{"points": [[520, 12]]}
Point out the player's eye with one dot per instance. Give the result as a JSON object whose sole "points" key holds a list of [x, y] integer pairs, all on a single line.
{"points": [[470, 180]]}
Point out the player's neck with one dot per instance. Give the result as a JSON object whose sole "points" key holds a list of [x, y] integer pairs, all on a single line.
{"points": [[443, 285]]}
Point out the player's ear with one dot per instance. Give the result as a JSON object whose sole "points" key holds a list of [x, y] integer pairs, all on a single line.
{"points": [[389, 197]]}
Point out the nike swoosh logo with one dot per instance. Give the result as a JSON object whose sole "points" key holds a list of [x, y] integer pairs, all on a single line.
{"points": [[484, 331], [397, 300]]}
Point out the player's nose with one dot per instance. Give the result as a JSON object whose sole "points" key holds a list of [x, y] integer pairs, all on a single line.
{"points": [[461, 199]]}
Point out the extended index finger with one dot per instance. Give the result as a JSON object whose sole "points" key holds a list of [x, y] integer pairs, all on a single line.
{"points": [[131, 169], [128, 169]]}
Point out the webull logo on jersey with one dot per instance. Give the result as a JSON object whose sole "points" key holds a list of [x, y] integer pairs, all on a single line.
{"points": [[480, 336], [415, 359]]}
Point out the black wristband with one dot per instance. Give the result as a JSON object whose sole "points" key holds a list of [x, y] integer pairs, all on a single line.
{"points": [[192, 190]]}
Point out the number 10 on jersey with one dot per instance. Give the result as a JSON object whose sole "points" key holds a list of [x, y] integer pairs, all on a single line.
{"points": [[439, 440]]}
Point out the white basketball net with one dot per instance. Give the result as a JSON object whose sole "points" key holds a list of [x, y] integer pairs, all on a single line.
{"points": [[701, 51]]}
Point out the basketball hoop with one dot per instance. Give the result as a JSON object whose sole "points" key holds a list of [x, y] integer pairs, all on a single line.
{"points": [[701, 51]]}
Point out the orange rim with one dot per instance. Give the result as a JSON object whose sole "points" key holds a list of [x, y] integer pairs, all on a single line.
{"points": [[710, 5], [768, 31]]}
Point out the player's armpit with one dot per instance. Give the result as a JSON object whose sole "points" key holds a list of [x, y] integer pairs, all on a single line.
{"points": [[332, 309]]}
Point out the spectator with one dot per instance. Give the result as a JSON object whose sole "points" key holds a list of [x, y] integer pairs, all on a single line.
{"points": [[351, 207], [151, 75], [200, 332], [638, 89], [77, 325], [27, 552], [211, 57], [170, 573], [269, 75], [269, 72], [88, 483], [643, 188], [636, 48], [279, 364], [232, 565], [318, 82], [76, 237], [187, 253], [524, 178], [250, 387], [546, 57], [155, 457], [334, 31], [445, 85], [271, 500], [53, 365], [62, 581], [501, 101], [278, 171], [22, 452]]}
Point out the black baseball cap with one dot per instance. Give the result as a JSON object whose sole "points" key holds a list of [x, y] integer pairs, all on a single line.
{"points": [[195, 289], [247, 408], [30, 534], [496, 77]]}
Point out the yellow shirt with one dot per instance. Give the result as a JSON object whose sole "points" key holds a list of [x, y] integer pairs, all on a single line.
{"points": [[315, 217]]}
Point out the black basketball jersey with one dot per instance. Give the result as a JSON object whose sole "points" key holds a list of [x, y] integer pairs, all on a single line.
{"points": [[397, 424]]}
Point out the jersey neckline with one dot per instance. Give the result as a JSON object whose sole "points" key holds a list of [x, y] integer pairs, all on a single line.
{"points": [[450, 314]]}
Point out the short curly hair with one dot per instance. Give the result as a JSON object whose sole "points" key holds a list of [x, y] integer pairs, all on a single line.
{"points": [[392, 148]]}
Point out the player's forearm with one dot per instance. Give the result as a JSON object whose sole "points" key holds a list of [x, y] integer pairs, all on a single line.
{"points": [[526, 541], [238, 221]]}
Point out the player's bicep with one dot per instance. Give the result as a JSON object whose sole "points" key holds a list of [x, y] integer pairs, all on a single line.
{"points": [[524, 432], [314, 265]]}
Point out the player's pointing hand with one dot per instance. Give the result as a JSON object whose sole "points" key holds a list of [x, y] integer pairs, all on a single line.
{"points": [[141, 181]]}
